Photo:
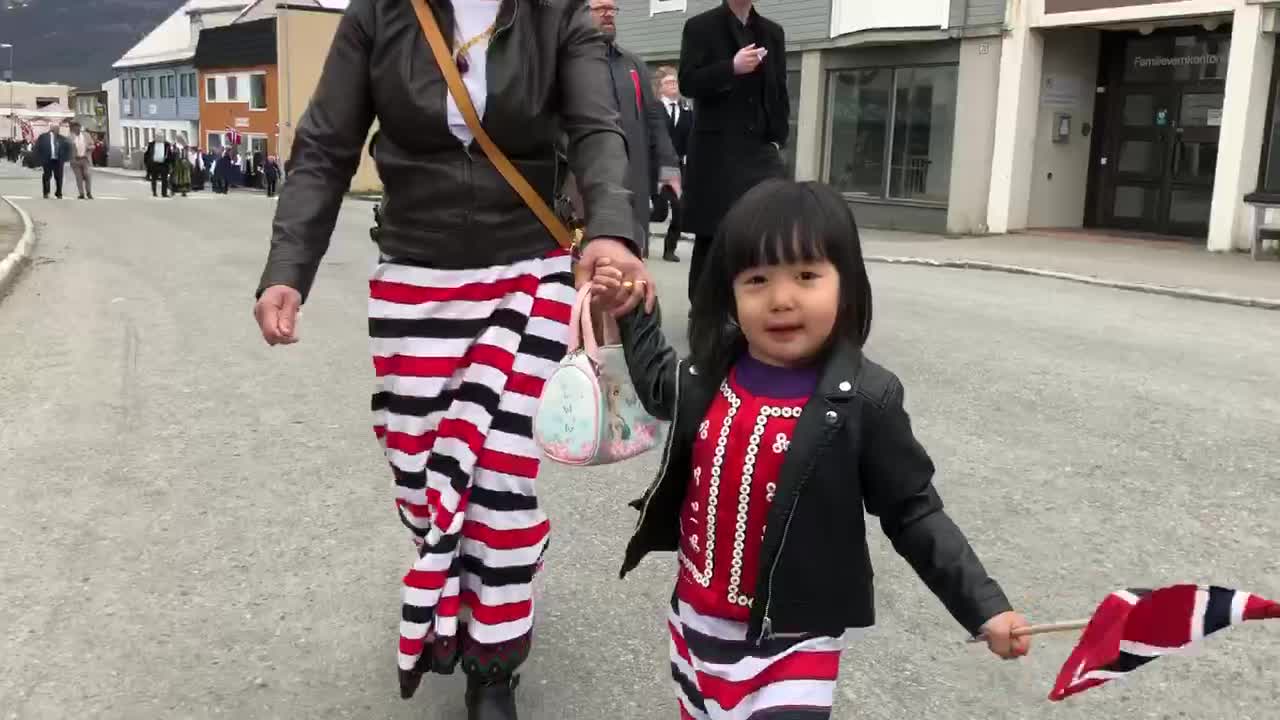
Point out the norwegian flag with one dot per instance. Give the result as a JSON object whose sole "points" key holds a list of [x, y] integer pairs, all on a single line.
{"points": [[1131, 628], [233, 136]]}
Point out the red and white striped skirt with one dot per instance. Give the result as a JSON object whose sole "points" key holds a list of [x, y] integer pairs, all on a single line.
{"points": [[461, 357], [721, 675]]}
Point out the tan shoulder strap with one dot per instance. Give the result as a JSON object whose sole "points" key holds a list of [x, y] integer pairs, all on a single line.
{"points": [[444, 59]]}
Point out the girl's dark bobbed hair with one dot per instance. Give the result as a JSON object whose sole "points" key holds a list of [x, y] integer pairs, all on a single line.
{"points": [[777, 222]]}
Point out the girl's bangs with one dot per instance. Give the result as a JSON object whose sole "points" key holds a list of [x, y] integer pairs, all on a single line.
{"points": [[785, 226]]}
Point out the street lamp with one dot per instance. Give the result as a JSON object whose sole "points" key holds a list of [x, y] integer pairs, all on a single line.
{"points": [[8, 76]]}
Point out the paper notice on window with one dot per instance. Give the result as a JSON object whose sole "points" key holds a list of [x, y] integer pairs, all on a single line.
{"points": [[1213, 117]]}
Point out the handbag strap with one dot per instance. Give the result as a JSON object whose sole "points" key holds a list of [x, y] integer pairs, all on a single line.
{"points": [[582, 332], [462, 98]]}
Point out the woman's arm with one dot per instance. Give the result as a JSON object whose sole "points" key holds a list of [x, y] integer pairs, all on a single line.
{"points": [[597, 149], [897, 484], [652, 361], [326, 153]]}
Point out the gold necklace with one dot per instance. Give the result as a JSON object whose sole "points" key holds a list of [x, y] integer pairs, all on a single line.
{"points": [[463, 50]]}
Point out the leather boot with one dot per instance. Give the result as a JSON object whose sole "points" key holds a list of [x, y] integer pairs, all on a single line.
{"points": [[491, 697]]}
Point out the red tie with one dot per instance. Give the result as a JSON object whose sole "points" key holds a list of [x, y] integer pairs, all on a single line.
{"points": [[635, 81]]}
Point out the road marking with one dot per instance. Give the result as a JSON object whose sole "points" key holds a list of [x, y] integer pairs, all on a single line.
{"points": [[109, 197], [17, 197]]}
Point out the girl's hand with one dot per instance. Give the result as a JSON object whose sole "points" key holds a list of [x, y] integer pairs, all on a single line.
{"points": [[611, 293], [1000, 638]]}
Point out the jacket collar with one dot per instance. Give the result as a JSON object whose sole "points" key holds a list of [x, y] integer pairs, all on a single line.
{"points": [[839, 378]]}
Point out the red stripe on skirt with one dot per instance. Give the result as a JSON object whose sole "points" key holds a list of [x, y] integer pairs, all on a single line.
{"points": [[522, 384], [443, 367], [508, 464], [506, 539], [797, 666], [404, 294], [682, 649], [496, 614], [551, 310], [425, 579]]}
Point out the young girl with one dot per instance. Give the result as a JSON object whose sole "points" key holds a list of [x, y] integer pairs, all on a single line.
{"points": [[782, 432]]}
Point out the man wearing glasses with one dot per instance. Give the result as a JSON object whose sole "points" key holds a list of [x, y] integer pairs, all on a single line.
{"points": [[653, 162]]}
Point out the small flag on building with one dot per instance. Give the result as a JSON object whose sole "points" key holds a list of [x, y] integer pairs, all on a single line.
{"points": [[1131, 628]]}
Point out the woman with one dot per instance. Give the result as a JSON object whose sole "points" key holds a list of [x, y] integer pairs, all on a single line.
{"points": [[181, 172], [469, 303]]}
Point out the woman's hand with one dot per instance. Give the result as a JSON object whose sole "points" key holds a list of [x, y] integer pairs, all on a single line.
{"points": [[611, 293], [1000, 638]]}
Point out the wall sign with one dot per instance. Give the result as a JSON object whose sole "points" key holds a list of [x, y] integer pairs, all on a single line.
{"points": [[1060, 90], [242, 122]]}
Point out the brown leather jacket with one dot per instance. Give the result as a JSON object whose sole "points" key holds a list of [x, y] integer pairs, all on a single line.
{"points": [[445, 205]]}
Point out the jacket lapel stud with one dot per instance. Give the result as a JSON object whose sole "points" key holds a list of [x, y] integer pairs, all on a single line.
{"points": [[832, 417], [845, 386], [693, 370]]}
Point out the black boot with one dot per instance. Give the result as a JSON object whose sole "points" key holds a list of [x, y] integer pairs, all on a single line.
{"points": [[491, 697]]}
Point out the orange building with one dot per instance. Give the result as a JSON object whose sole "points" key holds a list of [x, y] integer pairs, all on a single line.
{"points": [[239, 87]]}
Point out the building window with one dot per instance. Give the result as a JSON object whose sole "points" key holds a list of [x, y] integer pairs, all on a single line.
{"points": [[191, 84], [124, 90], [164, 86], [892, 132], [258, 92], [182, 85], [151, 87], [232, 95], [133, 87], [211, 89], [793, 94], [213, 141], [662, 6], [1269, 180]]}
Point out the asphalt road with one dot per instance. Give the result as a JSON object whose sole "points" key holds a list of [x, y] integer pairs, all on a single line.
{"points": [[196, 525]]}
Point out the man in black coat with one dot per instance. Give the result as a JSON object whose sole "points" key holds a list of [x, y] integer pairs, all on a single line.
{"points": [[733, 64], [52, 150], [159, 158], [652, 161]]}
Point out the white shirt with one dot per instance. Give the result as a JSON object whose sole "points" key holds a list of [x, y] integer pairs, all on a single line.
{"points": [[53, 146], [80, 145], [472, 18], [667, 104], [157, 155]]}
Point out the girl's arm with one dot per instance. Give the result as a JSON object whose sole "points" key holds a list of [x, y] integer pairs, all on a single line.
{"points": [[652, 361], [897, 484]]}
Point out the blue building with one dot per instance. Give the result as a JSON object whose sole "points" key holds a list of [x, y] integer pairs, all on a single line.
{"points": [[159, 95]]}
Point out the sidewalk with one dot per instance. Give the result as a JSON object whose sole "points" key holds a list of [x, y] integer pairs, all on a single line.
{"points": [[1157, 264], [11, 228]]}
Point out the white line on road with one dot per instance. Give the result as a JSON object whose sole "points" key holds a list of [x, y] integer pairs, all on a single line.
{"points": [[17, 197]]}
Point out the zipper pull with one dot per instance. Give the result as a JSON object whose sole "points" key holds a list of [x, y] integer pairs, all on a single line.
{"points": [[766, 630]]}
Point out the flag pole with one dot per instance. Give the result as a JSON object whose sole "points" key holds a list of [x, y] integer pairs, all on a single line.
{"points": [[1040, 629]]}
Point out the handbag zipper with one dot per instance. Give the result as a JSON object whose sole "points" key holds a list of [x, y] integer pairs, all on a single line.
{"points": [[666, 453]]}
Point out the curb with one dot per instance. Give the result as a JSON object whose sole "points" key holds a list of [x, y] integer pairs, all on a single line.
{"points": [[1149, 288], [13, 264]]}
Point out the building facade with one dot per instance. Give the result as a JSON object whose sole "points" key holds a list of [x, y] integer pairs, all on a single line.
{"points": [[239, 86], [1153, 117], [304, 32], [159, 86], [37, 106]]}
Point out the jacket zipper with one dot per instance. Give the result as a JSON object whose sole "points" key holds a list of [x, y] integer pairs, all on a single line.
{"points": [[766, 627], [666, 454]]}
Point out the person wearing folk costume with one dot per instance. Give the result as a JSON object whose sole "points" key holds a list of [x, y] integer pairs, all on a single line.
{"points": [[469, 302], [182, 171], [782, 432], [733, 65]]}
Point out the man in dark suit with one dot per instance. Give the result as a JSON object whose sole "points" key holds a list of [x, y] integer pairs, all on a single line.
{"points": [[52, 150], [653, 162], [159, 157], [679, 124], [733, 64]]}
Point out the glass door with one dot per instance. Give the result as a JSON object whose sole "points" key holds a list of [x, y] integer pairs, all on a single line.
{"points": [[1194, 150], [1139, 159]]}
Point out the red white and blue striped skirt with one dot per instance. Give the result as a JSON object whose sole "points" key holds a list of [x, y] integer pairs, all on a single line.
{"points": [[721, 675], [461, 357]]}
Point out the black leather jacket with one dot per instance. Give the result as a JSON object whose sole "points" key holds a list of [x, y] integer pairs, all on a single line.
{"points": [[446, 205], [853, 448]]}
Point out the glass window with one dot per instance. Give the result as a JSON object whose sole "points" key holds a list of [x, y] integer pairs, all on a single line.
{"points": [[133, 87], [151, 87], [191, 84], [214, 141], [258, 92], [924, 121], [211, 89], [182, 85], [231, 88], [793, 95], [859, 111]]}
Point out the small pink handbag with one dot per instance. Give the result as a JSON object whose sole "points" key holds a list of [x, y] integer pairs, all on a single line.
{"points": [[589, 413]]}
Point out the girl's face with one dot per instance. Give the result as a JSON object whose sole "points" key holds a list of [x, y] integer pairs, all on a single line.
{"points": [[787, 311]]}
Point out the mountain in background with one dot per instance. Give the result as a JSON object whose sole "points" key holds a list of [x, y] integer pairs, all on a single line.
{"points": [[75, 41]]}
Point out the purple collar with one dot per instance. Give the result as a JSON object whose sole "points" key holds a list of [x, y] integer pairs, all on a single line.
{"points": [[771, 381]]}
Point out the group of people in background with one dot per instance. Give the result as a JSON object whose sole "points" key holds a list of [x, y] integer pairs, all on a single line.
{"points": [[178, 169]]}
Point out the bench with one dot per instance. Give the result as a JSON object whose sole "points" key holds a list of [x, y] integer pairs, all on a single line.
{"points": [[1260, 230]]}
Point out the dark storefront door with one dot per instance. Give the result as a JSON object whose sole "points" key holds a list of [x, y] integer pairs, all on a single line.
{"points": [[1159, 124]]}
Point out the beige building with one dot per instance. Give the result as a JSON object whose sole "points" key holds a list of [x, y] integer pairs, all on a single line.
{"points": [[303, 36], [38, 104]]}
